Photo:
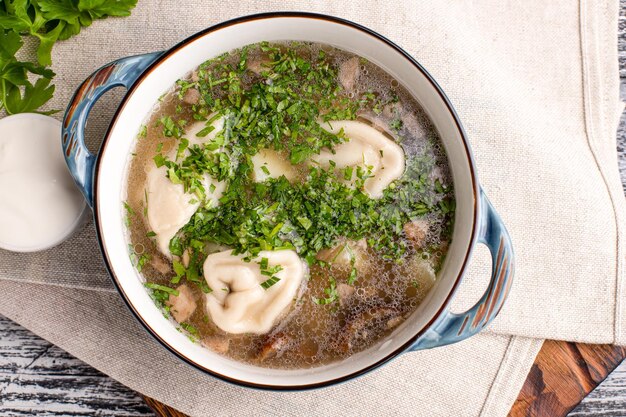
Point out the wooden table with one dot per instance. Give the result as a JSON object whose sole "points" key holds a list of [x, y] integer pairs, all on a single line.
{"points": [[39, 378]]}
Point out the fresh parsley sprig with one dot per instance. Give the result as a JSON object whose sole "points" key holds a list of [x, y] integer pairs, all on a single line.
{"points": [[25, 86]]}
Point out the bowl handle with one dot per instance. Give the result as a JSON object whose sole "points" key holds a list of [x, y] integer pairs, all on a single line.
{"points": [[451, 327], [123, 72]]}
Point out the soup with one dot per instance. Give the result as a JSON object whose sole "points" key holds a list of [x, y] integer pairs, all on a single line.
{"points": [[288, 204]]}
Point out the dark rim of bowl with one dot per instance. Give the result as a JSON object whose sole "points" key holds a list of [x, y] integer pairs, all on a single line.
{"points": [[270, 15]]}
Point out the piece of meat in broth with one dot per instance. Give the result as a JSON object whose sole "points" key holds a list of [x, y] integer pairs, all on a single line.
{"points": [[274, 346], [182, 305], [219, 344], [343, 253], [259, 64], [367, 325], [349, 73], [160, 265], [416, 232], [191, 96], [345, 293]]}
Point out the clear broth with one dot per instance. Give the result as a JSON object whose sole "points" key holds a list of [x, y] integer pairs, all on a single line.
{"points": [[386, 292]]}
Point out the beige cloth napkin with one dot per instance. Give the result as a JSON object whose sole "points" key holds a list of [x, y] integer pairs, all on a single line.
{"points": [[536, 86]]}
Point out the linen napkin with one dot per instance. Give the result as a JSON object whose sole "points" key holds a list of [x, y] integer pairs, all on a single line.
{"points": [[536, 86]]}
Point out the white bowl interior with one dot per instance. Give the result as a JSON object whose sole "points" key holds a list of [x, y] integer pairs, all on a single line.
{"points": [[112, 176]]}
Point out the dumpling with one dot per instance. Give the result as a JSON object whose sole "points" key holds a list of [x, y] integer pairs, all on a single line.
{"points": [[169, 207], [268, 163], [365, 147], [238, 302], [195, 128]]}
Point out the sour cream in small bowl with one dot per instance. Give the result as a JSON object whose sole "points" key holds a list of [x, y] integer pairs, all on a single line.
{"points": [[40, 206]]}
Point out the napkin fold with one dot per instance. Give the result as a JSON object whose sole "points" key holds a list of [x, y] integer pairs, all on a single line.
{"points": [[536, 85]]}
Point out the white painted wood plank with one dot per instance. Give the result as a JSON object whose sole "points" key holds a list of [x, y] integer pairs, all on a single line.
{"points": [[608, 399], [38, 378], [621, 44]]}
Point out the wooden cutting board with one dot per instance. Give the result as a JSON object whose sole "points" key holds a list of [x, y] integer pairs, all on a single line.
{"points": [[562, 375]]}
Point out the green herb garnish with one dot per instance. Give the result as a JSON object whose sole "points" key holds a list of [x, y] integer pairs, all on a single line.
{"points": [[270, 272], [129, 213], [396, 125], [180, 271], [193, 332], [269, 282], [331, 293], [161, 295], [139, 260], [284, 108], [25, 86], [163, 288]]}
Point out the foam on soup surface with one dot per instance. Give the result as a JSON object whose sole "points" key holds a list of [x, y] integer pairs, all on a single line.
{"points": [[288, 204]]}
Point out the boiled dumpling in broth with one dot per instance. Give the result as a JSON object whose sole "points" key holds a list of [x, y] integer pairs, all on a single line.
{"points": [[191, 132], [170, 207], [268, 163], [238, 302], [365, 247], [365, 147]]}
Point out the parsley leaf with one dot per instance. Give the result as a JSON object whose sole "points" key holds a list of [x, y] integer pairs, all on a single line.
{"points": [[10, 43], [103, 8], [26, 86], [331, 293], [34, 96]]}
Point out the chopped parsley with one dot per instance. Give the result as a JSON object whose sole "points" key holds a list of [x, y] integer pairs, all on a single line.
{"points": [[396, 125], [330, 293], [194, 334], [269, 271], [162, 288], [284, 107], [129, 213], [180, 271], [313, 215], [161, 295], [139, 260], [269, 282]]}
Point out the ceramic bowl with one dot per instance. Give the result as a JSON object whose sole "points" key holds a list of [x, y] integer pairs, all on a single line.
{"points": [[146, 77]]}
